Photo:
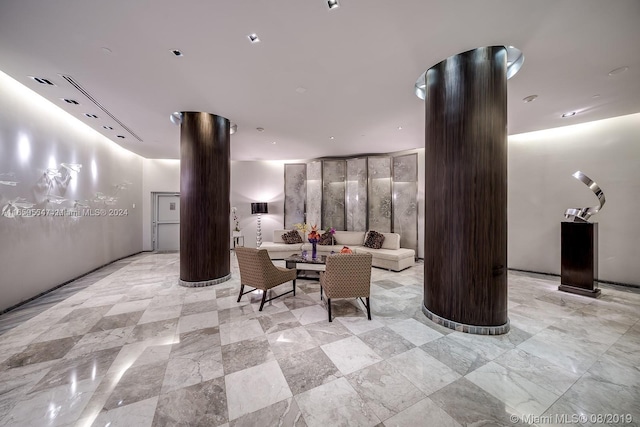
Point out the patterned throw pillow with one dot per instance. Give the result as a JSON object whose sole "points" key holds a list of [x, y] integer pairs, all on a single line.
{"points": [[291, 237], [325, 239], [374, 240]]}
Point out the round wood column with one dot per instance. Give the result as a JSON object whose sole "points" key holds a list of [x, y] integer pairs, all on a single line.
{"points": [[465, 276], [204, 199]]}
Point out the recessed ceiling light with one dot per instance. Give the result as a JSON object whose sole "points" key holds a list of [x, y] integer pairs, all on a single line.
{"points": [[333, 4], [399, 127], [90, 115], [301, 89], [42, 80], [176, 118], [107, 127], [597, 95], [274, 143], [176, 52], [618, 71], [260, 129], [70, 101], [572, 113], [331, 137], [253, 37], [529, 98], [106, 50], [121, 136]]}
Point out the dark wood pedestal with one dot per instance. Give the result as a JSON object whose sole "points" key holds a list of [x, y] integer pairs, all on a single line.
{"points": [[579, 248]]}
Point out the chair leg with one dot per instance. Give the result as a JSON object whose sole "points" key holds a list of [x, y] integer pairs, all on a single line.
{"points": [[368, 309], [241, 289], [294, 287], [329, 306], [264, 297], [320, 292]]}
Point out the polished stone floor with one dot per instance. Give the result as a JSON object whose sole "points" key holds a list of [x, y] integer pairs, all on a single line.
{"points": [[135, 349]]}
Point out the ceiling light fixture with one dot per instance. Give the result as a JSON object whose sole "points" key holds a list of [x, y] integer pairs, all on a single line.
{"points": [[107, 127], [515, 59], [331, 137], [176, 118], [70, 101], [121, 136], [253, 37], [570, 114], [529, 98], [333, 4], [176, 52], [233, 128], [399, 127], [42, 80], [260, 129], [274, 143], [618, 71]]}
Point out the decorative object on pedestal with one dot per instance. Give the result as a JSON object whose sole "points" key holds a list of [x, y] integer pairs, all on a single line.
{"points": [[236, 223], [259, 209], [314, 236], [579, 246]]}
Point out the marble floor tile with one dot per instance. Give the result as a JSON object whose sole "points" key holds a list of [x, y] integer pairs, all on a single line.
{"points": [[17, 382], [290, 341], [195, 341], [199, 307], [284, 413], [278, 322], [385, 342], [456, 356], [139, 414], [194, 322], [239, 331], [424, 371], [325, 333], [516, 391], [146, 331], [299, 301], [341, 406], [245, 354], [425, 412], [359, 325], [264, 383], [96, 341], [155, 314], [136, 384], [129, 306], [310, 314], [308, 369], [487, 346], [539, 371], [193, 368], [42, 352], [414, 332], [235, 314], [470, 405], [384, 389], [118, 321], [350, 354], [199, 405], [141, 353]]}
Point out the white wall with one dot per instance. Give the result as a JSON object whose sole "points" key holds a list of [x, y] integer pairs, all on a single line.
{"points": [[159, 176], [541, 188], [38, 253]]}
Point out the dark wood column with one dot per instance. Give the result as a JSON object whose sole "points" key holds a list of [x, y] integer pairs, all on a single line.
{"points": [[465, 277], [204, 199]]}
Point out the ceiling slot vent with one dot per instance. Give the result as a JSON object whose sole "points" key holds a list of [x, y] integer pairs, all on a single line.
{"points": [[92, 116], [70, 101], [42, 81], [83, 91]]}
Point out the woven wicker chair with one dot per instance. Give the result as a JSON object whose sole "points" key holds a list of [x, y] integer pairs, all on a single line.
{"points": [[347, 276], [257, 270]]}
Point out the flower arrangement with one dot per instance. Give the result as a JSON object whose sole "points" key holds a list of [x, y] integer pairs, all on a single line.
{"points": [[236, 223], [314, 235], [302, 226]]}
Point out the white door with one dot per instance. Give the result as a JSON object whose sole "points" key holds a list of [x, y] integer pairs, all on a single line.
{"points": [[167, 223]]}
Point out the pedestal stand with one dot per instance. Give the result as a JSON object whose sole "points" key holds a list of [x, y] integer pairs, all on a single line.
{"points": [[579, 248]]}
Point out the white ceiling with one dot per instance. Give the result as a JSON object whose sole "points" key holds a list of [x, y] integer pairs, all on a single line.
{"points": [[358, 64]]}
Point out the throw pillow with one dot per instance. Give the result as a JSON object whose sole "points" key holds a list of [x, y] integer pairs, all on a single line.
{"points": [[374, 240], [325, 239], [291, 237], [346, 250]]}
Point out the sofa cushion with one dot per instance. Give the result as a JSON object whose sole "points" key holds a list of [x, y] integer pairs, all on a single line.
{"points": [[387, 254], [374, 240], [291, 237], [349, 238], [325, 239], [391, 241]]}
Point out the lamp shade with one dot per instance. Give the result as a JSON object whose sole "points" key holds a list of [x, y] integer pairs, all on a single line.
{"points": [[259, 208]]}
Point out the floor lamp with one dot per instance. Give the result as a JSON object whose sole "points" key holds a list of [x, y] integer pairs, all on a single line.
{"points": [[259, 209]]}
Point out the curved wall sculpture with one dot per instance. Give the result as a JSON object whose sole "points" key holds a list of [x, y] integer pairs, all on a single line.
{"points": [[583, 214]]}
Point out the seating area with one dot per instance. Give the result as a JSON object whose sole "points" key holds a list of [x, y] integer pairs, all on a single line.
{"points": [[390, 256]]}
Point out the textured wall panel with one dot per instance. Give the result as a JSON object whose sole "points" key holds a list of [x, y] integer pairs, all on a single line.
{"points": [[405, 203], [295, 193], [334, 173], [356, 194], [379, 194], [314, 192]]}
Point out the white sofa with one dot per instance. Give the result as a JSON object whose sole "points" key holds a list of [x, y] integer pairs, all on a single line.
{"points": [[391, 256]]}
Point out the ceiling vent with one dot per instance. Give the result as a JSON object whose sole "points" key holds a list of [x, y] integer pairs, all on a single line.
{"points": [[70, 101], [82, 90], [43, 81]]}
